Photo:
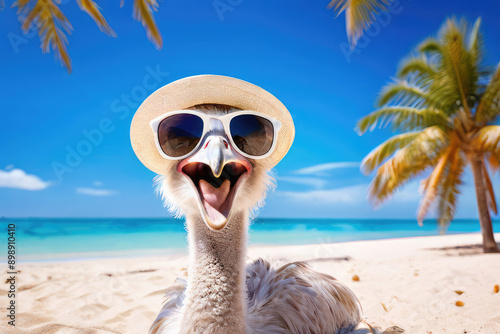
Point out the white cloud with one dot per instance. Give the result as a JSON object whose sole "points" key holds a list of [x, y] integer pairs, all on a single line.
{"points": [[18, 179], [350, 195], [326, 167], [97, 183], [95, 192], [308, 181], [343, 202], [316, 176]]}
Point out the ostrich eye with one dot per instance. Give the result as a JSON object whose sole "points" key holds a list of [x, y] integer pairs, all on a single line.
{"points": [[252, 134], [179, 134]]}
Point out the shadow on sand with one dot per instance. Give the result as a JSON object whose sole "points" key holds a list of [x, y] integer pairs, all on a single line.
{"points": [[463, 250]]}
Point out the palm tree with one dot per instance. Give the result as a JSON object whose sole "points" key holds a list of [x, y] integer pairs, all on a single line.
{"points": [[359, 15], [52, 24], [443, 104]]}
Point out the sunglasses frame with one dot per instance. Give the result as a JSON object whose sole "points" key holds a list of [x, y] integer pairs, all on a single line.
{"points": [[226, 122]]}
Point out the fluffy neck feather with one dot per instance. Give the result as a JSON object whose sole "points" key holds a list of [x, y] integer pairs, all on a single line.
{"points": [[216, 294]]}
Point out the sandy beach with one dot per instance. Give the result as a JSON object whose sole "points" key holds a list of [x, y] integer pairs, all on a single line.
{"points": [[411, 283]]}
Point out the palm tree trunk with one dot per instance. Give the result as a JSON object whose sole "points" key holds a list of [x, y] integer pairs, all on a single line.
{"points": [[489, 244]]}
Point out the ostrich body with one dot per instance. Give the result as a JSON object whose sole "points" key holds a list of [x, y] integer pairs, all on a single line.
{"points": [[222, 294]]}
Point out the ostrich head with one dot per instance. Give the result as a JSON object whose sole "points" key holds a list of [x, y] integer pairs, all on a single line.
{"points": [[204, 167], [215, 180]]}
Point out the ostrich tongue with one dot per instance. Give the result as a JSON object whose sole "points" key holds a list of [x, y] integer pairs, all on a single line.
{"points": [[214, 198]]}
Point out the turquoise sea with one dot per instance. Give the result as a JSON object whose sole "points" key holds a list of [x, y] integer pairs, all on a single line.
{"points": [[39, 239]]}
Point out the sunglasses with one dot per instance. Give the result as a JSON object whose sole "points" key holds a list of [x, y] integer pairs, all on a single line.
{"points": [[179, 133]]}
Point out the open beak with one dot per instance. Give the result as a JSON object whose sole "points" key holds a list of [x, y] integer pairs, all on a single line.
{"points": [[216, 172]]}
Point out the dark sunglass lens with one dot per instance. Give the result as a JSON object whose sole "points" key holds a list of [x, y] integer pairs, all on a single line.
{"points": [[179, 134], [252, 134]]}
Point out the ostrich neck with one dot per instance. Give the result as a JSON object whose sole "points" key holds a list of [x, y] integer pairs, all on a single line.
{"points": [[216, 291]]}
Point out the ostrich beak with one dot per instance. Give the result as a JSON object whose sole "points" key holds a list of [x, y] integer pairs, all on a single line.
{"points": [[216, 172]]}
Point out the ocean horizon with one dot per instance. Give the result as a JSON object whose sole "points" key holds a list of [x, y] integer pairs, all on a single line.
{"points": [[46, 239]]}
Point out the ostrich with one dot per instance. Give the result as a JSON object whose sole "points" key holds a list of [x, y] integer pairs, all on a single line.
{"points": [[217, 182]]}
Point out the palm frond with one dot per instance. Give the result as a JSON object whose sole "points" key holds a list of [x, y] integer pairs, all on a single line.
{"points": [[91, 8], [487, 139], [449, 190], [51, 24], [20, 4], [475, 44], [359, 15], [490, 193], [430, 45], [459, 72], [386, 149], [386, 182], [403, 118], [403, 93], [453, 58], [419, 65], [421, 153], [432, 186], [456, 57], [489, 106], [493, 161], [143, 12]]}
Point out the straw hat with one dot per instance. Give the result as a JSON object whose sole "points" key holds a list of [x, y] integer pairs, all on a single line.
{"points": [[206, 89]]}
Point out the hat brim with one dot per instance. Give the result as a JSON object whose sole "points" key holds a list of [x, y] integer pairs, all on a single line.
{"points": [[206, 89]]}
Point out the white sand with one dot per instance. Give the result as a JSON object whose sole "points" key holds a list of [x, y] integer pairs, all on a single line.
{"points": [[408, 283]]}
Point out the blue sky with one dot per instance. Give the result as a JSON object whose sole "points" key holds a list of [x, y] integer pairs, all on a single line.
{"points": [[295, 49]]}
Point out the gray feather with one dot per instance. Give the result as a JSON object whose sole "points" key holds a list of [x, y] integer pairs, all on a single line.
{"points": [[288, 299]]}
